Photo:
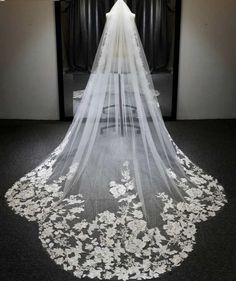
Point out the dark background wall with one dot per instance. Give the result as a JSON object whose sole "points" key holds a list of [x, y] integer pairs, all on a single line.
{"points": [[83, 22]]}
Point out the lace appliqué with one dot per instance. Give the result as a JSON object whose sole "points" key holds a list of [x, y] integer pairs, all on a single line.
{"points": [[116, 245]]}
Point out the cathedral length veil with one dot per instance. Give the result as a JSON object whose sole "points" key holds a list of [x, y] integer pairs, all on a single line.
{"points": [[117, 198]]}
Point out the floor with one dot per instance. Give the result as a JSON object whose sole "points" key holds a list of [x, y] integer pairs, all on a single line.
{"points": [[77, 81], [210, 144]]}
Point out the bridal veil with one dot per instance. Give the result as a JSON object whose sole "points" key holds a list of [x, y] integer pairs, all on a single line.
{"points": [[117, 198]]}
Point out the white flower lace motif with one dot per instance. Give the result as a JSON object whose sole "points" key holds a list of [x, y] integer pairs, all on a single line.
{"points": [[116, 245]]}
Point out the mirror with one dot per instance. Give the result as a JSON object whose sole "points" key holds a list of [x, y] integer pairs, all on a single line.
{"points": [[79, 25]]}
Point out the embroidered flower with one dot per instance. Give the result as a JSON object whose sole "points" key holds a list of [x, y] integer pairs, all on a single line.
{"points": [[117, 190], [160, 267], [190, 231], [94, 273], [137, 226], [102, 255], [134, 245], [171, 174], [107, 217], [138, 214], [194, 192], [110, 232], [172, 228], [72, 171], [197, 180], [52, 188], [130, 185], [176, 260]]}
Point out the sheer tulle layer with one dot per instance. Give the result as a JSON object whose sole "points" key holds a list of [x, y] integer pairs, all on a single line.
{"points": [[117, 242], [117, 198]]}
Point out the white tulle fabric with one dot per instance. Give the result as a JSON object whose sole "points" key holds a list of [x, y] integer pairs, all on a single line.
{"points": [[117, 198]]}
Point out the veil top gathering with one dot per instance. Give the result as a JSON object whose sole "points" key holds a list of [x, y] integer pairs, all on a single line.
{"points": [[117, 198]]}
